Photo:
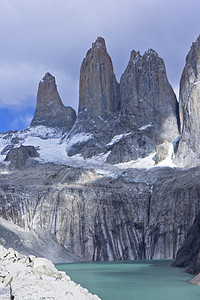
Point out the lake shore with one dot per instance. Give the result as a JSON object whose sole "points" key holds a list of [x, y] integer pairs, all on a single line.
{"points": [[23, 278]]}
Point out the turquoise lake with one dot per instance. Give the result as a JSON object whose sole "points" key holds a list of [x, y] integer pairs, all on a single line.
{"points": [[137, 280]]}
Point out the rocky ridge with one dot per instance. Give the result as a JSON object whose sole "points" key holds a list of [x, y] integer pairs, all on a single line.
{"points": [[23, 277]]}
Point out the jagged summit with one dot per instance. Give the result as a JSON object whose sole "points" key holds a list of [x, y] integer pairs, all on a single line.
{"points": [[98, 89], [99, 43], [147, 97], [126, 121], [50, 110], [136, 54], [48, 77]]}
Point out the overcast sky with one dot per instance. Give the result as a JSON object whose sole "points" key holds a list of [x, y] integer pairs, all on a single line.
{"points": [[37, 36]]}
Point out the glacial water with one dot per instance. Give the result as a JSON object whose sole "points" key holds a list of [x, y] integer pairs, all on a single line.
{"points": [[135, 280]]}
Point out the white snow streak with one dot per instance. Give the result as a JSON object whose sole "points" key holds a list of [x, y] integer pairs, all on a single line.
{"points": [[146, 126]]}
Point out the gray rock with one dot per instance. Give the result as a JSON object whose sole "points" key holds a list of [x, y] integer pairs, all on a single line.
{"points": [[188, 153], [163, 151], [147, 98], [18, 157], [39, 280], [99, 90], [6, 149], [188, 255], [133, 214], [144, 114], [50, 110], [34, 243]]}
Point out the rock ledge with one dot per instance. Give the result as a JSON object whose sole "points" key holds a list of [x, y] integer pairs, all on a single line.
{"points": [[34, 278]]}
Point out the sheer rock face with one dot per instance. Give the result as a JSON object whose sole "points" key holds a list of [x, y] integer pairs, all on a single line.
{"points": [[132, 214], [188, 150], [188, 255], [99, 90], [50, 110], [147, 97], [130, 125]]}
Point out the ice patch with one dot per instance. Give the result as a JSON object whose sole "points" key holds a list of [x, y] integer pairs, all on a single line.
{"points": [[148, 162], [140, 163], [78, 138], [117, 138], [145, 126]]}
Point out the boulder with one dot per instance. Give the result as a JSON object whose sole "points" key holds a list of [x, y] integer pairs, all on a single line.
{"points": [[196, 280], [163, 151]]}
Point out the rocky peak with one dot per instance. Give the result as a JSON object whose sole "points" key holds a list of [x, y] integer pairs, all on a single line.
{"points": [[147, 97], [98, 90], [50, 110], [100, 43], [48, 77]]}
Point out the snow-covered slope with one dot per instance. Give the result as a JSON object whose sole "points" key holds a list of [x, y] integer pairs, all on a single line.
{"points": [[52, 147]]}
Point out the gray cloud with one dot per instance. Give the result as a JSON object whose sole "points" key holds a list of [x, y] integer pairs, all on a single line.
{"points": [[54, 35]]}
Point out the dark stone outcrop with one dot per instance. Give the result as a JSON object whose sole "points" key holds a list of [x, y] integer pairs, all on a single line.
{"points": [[188, 150], [188, 255], [50, 110], [147, 98], [99, 90], [18, 157]]}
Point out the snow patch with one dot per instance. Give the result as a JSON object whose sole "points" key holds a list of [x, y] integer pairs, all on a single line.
{"points": [[117, 138], [145, 126], [148, 162], [78, 138], [140, 163]]}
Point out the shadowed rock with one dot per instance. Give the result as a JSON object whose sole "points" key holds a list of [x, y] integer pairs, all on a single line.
{"points": [[19, 156], [188, 255], [50, 110]]}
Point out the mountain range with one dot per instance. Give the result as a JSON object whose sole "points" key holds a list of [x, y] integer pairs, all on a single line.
{"points": [[119, 179]]}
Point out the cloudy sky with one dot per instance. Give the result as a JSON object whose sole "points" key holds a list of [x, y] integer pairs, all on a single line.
{"points": [[37, 36]]}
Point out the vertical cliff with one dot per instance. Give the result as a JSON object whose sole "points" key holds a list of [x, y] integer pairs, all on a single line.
{"points": [[188, 150], [50, 110], [96, 215], [188, 255], [98, 88], [147, 98], [127, 121]]}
